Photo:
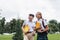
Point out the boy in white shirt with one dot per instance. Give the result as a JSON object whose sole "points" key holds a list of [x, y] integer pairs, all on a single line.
{"points": [[29, 34]]}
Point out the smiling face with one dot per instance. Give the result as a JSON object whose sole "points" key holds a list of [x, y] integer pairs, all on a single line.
{"points": [[39, 15], [31, 16]]}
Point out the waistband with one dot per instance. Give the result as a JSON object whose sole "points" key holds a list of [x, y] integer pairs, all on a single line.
{"points": [[28, 32]]}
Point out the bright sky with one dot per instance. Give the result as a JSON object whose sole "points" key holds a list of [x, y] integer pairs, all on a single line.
{"points": [[14, 8]]}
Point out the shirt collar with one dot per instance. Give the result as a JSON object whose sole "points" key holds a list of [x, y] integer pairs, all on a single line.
{"points": [[39, 19]]}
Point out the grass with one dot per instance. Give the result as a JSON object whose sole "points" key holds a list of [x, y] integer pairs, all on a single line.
{"points": [[6, 37], [50, 36], [54, 36]]}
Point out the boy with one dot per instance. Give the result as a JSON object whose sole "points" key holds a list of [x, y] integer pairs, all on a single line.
{"points": [[29, 33]]}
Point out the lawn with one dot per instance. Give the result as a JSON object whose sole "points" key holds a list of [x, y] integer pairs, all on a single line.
{"points": [[50, 36], [54, 36], [6, 37]]}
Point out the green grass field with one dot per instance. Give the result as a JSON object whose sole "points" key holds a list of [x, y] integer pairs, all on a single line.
{"points": [[54, 36], [6, 37], [50, 36]]}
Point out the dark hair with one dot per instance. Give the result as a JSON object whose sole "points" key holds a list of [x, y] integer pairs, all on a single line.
{"points": [[31, 15]]}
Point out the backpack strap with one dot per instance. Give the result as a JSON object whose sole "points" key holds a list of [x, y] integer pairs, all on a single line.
{"points": [[44, 26], [43, 23]]}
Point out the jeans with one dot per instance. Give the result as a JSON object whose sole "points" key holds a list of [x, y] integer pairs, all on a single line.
{"points": [[42, 37]]}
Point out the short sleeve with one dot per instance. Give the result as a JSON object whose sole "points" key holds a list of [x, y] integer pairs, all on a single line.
{"points": [[45, 22]]}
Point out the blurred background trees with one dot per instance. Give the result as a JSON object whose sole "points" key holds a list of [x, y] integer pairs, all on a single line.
{"points": [[10, 27], [19, 33], [54, 26], [2, 24]]}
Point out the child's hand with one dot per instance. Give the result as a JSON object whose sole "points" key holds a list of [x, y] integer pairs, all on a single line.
{"points": [[40, 30]]}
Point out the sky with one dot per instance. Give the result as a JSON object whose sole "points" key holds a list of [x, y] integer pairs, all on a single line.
{"points": [[50, 9]]}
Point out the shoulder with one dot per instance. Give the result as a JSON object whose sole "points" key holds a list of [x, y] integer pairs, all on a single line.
{"points": [[44, 19], [25, 22]]}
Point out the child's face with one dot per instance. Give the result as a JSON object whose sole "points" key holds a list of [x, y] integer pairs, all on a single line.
{"points": [[39, 15], [31, 18]]}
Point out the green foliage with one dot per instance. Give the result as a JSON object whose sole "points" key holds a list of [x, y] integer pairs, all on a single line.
{"points": [[2, 24], [19, 33], [13, 25], [58, 25], [8, 27], [53, 25]]}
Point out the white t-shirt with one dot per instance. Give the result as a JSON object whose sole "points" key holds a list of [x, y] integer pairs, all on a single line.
{"points": [[30, 24], [45, 22]]}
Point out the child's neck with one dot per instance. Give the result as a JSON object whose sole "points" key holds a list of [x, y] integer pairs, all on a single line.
{"points": [[30, 20], [39, 18]]}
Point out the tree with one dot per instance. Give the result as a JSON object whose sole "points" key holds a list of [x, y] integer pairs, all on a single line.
{"points": [[13, 25], [53, 26], [2, 24], [19, 33], [7, 27], [21, 22], [58, 26]]}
